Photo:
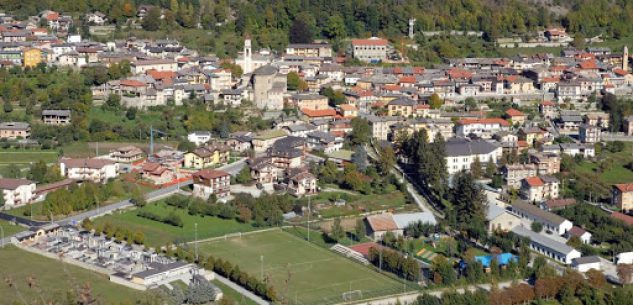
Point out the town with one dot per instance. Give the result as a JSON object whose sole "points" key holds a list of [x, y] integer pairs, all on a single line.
{"points": [[328, 172]]}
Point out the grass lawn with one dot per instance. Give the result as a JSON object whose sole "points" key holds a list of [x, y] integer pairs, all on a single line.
{"points": [[159, 234], [9, 228], [89, 149], [355, 204], [314, 275], [53, 279], [12, 156], [231, 294]]}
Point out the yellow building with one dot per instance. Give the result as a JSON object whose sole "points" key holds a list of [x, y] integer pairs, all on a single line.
{"points": [[32, 57], [401, 107], [208, 156]]}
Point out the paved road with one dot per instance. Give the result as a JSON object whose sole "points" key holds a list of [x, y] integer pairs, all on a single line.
{"points": [[241, 290], [234, 168]]}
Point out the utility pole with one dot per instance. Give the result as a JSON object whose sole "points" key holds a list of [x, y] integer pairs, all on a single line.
{"points": [[195, 225], [309, 212]]}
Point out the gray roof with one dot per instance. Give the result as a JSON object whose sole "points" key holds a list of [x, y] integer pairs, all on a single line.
{"points": [[465, 147], [56, 112], [265, 70], [586, 260], [543, 240], [403, 101], [14, 125], [403, 220], [301, 127], [535, 211], [159, 268], [494, 211]]}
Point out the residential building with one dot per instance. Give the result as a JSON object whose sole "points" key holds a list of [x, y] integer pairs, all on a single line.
{"points": [[462, 152], [548, 109], [514, 173], [15, 130], [156, 172], [302, 183], [585, 150], [483, 128], [381, 125], [208, 181], [56, 117], [310, 101], [622, 196], [557, 204], [550, 221], [547, 246], [31, 57], [207, 156], [16, 192], [589, 133], [403, 106], [143, 66], [265, 139], [539, 188], [94, 170], [126, 154], [263, 171], [517, 117], [348, 110], [547, 163], [309, 49], [370, 50]]}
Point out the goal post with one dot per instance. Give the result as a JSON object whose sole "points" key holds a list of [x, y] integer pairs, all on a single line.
{"points": [[352, 295]]}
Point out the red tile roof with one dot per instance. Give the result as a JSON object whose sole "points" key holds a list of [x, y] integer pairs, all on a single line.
{"points": [[499, 121], [459, 73], [624, 187], [370, 42], [548, 103], [620, 72], [626, 218], [364, 248], [513, 112], [132, 83], [407, 80], [382, 222], [391, 87], [559, 203], [160, 75], [522, 143], [347, 107], [318, 113], [208, 174], [588, 65], [552, 79], [534, 181], [577, 231]]}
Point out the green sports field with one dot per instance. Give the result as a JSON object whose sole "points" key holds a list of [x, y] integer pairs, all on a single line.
{"points": [[314, 275]]}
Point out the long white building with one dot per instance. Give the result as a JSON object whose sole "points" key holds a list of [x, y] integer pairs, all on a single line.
{"points": [[462, 152]]}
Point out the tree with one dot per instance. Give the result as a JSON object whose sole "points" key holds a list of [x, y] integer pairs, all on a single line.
{"points": [[359, 158], [200, 292], [130, 114], [139, 237], [294, 81], [468, 203], [8, 107], [244, 176], [360, 229], [137, 198], [537, 227], [37, 171], [300, 32], [361, 131], [475, 169], [2, 201], [574, 242], [491, 169], [386, 159], [337, 230], [151, 21], [435, 101], [335, 27]]}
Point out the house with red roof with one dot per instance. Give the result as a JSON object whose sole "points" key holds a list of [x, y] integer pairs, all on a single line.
{"points": [[540, 188], [156, 173], [312, 114], [516, 116], [483, 128], [209, 181], [547, 109], [622, 196], [623, 217]]}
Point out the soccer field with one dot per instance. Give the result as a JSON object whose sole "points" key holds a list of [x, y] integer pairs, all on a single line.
{"points": [[314, 274]]}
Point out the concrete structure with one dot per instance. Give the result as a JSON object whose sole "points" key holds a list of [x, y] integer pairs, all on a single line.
{"points": [[15, 130], [269, 88], [207, 182], [586, 263], [94, 170], [16, 192], [548, 247], [56, 117], [550, 221], [373, 49]]}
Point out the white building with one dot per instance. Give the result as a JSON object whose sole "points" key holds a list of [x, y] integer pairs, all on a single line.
{"points": [[586, 263], [16, 192], [199, 137], [548, 247], [550, 221], [462, 152], [373, 49], [207, 182], [95, 170], [483, 128]]}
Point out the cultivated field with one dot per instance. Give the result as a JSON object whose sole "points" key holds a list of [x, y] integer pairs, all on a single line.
{"points": [[27, 156], [302, 272], [52, 280]]}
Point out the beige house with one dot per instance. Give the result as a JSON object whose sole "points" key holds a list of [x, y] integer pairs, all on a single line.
{"points": [[15, 130], [514, 173], [302, 184], [499, 219], [310, 101], [142, 66], [94, 170], [540, 188], [401, 107], [622, 196], [16, 192], [546, 163], [209, 181], [126, 154], [56, 117]]}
